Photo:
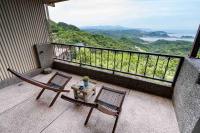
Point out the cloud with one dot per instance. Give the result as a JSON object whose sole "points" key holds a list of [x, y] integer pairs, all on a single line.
{"points": [[132, 13]]}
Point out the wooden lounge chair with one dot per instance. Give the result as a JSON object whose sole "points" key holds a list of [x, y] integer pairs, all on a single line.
{"points": [[108, 101], [56, 83]]}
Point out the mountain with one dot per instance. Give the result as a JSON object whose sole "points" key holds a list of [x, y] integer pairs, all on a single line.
{"points": [[65, 33], [118, 39], [156, 34], [68, 26], [104, 27], [127, 32]]}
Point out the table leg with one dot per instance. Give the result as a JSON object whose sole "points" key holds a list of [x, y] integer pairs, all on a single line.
{"points": [[75, 94], [94, 91], [85, 97]]}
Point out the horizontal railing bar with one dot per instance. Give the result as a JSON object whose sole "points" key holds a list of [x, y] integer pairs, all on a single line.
{"points": [[118, 50]]}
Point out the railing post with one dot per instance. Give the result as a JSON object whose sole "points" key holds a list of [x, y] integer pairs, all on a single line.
{"points": [[196, 45], [90, 57], [146, 65], [95, 57], [122, 61], [114, 62], [85, 56], [101, 59], [154, 71], [79, 48], [137, 63], [177, 71], [166, 68], [129, 60], [108, 59]]}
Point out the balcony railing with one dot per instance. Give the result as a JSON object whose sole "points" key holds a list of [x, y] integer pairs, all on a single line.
{"points": [[159, 67]]}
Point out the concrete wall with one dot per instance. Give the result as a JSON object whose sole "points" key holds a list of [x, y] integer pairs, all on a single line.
{"points": [[45, 55], [117, 79], [186, 97]]}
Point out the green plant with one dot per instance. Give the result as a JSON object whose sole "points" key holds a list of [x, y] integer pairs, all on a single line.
{"points": [[86, 78]]}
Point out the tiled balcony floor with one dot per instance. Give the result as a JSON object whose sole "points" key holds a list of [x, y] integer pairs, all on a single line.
{"points": [[21, 113]]}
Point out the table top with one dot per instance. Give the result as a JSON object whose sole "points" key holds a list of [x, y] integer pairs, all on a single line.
{"points": [[90, 87]]}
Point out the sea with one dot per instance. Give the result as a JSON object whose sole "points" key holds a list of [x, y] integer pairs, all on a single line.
{"points": [[174, 35]]}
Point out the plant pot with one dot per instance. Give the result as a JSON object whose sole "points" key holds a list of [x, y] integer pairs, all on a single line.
{"points": [[85, 83]]}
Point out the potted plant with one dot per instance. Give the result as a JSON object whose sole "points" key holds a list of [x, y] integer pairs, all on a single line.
{"points": [[85, 81]]}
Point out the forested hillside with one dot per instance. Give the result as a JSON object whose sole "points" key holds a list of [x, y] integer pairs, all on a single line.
{"points": [[69, 34], [117, 33]]}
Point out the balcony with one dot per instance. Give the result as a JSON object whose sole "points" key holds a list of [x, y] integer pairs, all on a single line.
{"points": [[21, 113], [162, 90], [141, 75], [152, 73]]}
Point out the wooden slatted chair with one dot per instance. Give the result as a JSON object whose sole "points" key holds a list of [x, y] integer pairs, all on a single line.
{"points": [[57, 83], [108, 101]]}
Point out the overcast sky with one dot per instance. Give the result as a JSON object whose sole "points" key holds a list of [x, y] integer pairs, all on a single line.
{"points": [[153, 14]]}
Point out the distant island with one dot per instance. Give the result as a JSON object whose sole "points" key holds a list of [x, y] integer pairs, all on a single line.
{"points": [[189, 37], [156, 34], [117, 31]]}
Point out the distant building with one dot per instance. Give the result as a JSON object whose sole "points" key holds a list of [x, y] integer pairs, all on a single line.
{"points": [[79, 44]]}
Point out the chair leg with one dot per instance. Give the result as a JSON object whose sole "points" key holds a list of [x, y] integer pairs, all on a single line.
{"points": [[40, 94], [86, 121], [53, 101], [115, 125]]}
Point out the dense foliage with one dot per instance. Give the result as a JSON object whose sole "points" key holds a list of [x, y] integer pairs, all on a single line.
{"points": [[70, 35]]}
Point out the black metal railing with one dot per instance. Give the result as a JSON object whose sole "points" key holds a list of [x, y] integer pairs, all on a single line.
{"points": [[158, 67]]}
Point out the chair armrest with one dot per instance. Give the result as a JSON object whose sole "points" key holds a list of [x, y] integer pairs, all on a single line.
{"points": [[107, 111], [63, 75], [92, 105]]}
